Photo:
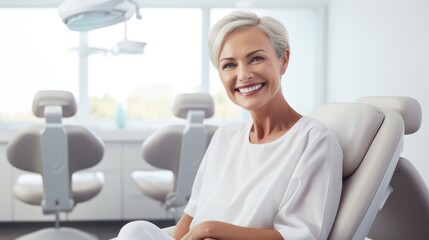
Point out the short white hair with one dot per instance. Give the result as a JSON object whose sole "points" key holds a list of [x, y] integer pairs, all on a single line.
{"points": [[238, 20]]}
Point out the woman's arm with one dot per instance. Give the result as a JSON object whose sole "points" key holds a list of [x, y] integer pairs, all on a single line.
{"points": [[182, 227], [226, 231]]}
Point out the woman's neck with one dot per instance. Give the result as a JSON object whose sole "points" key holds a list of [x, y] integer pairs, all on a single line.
{"points": [[273, 121]]}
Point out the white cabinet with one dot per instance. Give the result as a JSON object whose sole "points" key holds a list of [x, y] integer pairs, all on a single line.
{"points": [[120, 199]]}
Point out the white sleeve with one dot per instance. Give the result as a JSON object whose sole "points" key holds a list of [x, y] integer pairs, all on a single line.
{"points": [[309, 206]]}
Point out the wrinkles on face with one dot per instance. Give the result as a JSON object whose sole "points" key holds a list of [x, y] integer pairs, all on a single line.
{"points": [[249, 68]]}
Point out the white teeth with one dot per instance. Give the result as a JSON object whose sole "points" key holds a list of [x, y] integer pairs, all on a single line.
{"points": [[250, 89]]}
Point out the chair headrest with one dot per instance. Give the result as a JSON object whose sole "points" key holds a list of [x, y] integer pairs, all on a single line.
{"points": [[45, 98], [193, 102], [408, 107], [354, 125]]}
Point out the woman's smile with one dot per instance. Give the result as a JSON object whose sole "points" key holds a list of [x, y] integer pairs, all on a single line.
{"points": [[250, 89]]}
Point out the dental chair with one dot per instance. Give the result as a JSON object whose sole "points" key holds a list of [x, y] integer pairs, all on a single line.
{"points": [[373, 204], [177, 151], [371, 133], [54, 153]]}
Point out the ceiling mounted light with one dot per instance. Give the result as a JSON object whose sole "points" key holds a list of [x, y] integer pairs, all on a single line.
{"points": [[124, 46], [85, 15], [128, 47]]}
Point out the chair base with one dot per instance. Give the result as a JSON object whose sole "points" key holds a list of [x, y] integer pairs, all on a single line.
{"points": [[63, 233]]}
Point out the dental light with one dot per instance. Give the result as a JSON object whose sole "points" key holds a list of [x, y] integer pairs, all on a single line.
{"points": [[85, 15], [124, 46], [128, 47]]}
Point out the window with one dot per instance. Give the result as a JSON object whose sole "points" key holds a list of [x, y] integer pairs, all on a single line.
{"points": [[145, 85], [35, 55], [39, 52]]}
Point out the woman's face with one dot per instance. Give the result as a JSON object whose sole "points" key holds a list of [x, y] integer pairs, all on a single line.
{"points": [[249, 68]]}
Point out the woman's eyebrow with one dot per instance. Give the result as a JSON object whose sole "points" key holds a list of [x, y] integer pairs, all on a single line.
{"points": [[255, 51], [247, 55], [226, 59]]}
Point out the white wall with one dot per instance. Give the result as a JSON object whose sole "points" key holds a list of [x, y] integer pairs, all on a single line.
{"points": [[382, 48]]}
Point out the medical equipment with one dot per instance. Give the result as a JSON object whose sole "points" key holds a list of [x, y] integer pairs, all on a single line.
{"points": [[55, 152]]}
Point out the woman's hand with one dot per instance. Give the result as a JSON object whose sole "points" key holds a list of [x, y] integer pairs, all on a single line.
{"points": [[182, 227], [203, 231], [214, 230]]}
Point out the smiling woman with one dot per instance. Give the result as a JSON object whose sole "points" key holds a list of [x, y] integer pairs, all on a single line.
{"points": [[255, 69], [277, 176], [304, 79]]}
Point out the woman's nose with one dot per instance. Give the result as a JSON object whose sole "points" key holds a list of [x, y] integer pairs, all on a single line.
{"points": [[244, 73]]}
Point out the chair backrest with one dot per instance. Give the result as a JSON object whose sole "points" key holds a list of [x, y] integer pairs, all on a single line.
{"points": [[371, 139], [180, 148], [55, 150], [405, 214]]}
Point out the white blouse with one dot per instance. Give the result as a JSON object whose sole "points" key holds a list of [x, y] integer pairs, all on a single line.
{"points": [[292, 184]]}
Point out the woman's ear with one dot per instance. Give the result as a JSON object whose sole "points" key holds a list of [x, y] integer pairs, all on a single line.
{"points": [[285, 61]]}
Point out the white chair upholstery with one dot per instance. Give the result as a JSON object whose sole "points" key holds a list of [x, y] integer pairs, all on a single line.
{"points": [[405, 214], [54, 153], [371, 133], [178, 149]]}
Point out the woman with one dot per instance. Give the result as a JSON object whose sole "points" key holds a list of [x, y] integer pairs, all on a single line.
{"points": [[277, 177]]}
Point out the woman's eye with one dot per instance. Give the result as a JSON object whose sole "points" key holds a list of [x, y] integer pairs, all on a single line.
{"points": [[256, 59], [228, 65]]}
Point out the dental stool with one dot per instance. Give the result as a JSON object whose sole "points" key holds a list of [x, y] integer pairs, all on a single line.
{"points": [[54, 153], [177, 150]]}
